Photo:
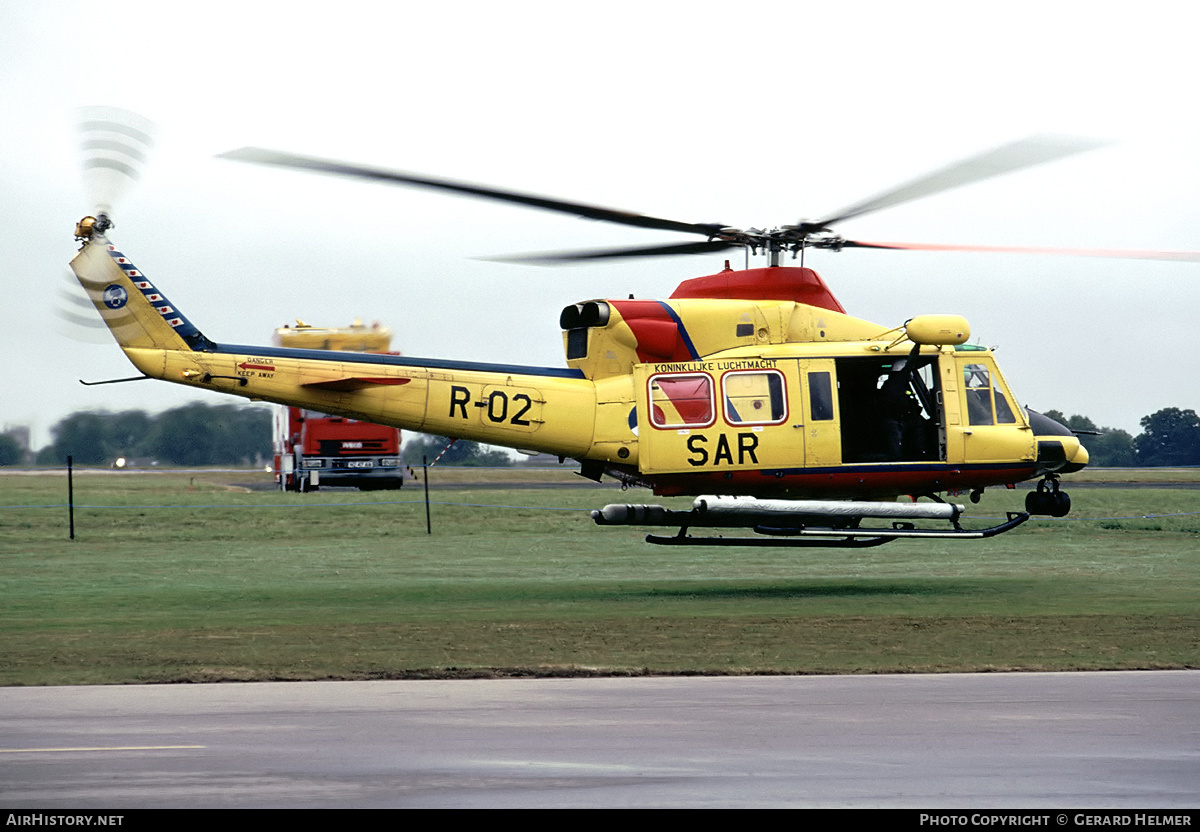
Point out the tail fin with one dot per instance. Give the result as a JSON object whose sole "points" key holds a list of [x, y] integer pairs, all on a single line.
{"points": [[137, 314]]}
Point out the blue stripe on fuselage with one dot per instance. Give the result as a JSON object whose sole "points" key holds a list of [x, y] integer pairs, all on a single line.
{"points": [[396, 361], [683, 333]]}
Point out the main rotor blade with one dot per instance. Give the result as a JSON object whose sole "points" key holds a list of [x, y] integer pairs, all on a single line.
{"points": [[291, 160], [1121, 254], [1024, 153], [553, 257]]}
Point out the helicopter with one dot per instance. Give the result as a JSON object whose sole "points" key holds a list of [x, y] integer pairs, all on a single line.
{"points": [[753, 384]]}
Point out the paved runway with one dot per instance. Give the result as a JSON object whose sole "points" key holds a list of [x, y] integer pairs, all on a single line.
{"points": [[936, 741]]}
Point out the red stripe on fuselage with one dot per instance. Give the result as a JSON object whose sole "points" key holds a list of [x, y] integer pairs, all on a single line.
{"points": [[657, 332]]}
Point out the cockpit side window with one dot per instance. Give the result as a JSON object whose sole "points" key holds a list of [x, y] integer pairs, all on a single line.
{"points": [[978, 385], [1004, 412]]}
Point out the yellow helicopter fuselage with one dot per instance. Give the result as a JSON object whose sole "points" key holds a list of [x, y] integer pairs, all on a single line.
{"points": [[724, 388]]}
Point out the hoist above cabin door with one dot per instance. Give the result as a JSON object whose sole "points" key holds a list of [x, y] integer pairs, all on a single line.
{"points": [[718, 416], [819, 419]]}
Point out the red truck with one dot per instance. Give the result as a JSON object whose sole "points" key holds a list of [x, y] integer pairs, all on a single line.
{"points": [[314, 449]]}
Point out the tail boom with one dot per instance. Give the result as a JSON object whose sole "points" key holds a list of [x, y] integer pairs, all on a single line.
{"points": [[541, 409]]}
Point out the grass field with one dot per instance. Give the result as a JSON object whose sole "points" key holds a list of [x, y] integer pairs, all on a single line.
{"points": [[191, 576]]}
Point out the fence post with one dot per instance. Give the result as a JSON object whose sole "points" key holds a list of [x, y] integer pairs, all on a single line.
{"points": [[71, 496], [425, 476]]}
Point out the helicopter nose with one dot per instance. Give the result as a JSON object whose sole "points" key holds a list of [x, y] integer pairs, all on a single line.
{"points": [[1059, 449], [1077, 460], [1059, 454]]}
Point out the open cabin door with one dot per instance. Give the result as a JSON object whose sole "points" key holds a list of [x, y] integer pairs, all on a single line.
{"points": [[891, 408]]}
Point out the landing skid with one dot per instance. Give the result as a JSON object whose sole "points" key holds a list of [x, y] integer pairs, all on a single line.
{"points": [[799, 524]]}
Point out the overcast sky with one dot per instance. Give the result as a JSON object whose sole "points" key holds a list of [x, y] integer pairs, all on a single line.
{"points": [[692, 111]]}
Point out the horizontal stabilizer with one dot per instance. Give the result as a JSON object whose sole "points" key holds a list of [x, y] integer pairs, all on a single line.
{"points": [[348, 385]]}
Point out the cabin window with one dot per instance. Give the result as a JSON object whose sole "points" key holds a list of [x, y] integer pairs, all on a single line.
{"points": [[754, 398], [681, 400], [820, 395]]}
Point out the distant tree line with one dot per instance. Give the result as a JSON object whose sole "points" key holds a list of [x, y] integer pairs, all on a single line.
{"points": [[1170, 437], [202, 434], [195, 434], [11, 452]]}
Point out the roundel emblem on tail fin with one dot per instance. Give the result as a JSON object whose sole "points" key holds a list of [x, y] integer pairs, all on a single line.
{"points": [[115, 296]]}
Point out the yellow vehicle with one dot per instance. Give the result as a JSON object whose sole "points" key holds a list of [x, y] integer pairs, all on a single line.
{"points": [[751, 384], [314, 449]]}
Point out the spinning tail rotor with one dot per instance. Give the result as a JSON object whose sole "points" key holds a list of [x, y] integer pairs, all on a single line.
{"points": [[116, 144]]}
